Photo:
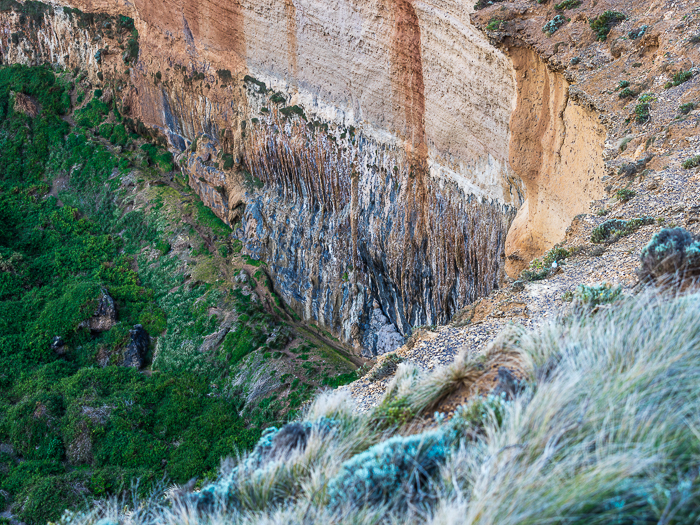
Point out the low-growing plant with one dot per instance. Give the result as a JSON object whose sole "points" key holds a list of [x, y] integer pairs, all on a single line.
{"points": [[399, 465], [613, 229], [388, 367], [587, 297], [679, 78], [541, 268], [638, 33], [568, 4], [691, 163], [603, 24], [642, 112], [494, 25], [554, 24], [671, 256], [686, 108], [627, 93], [625, 194]]}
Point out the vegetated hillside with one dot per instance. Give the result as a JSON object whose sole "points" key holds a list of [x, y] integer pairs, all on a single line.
{"points": [[593, 419], [135, 341]]}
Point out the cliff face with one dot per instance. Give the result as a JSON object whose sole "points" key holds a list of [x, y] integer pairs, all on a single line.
{"points": [[379, 150], [556, 148]]}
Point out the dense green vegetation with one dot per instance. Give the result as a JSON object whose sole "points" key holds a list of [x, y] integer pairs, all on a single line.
{"points": [[74, 424]]}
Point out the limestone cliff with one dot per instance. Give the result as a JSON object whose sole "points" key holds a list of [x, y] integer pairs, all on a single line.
{"points": [[372, 153]]}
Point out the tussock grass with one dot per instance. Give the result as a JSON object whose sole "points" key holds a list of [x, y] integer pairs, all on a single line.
{"points": [[607, 432]]}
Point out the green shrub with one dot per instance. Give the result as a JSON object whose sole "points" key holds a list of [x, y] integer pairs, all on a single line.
{"points": [[131, 54], [161, 158], [691, 163], [92, 114], [642, 112], [554, 24], [637, 33], [625, 194], [397, 471], [671, 255], [605, 22], [228, 161], [208, 218], [293, 110], [588, 297], [224, 75], [261, 87], [339, 380], [613, 229], [494, 25], [568, 4], [388, 367], [540, 269], [278, 98], [686, 108], [46, 499], [679, 78]]}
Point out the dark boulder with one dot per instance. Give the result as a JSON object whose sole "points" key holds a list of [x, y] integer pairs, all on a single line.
{"points": [[58, 345], [137, 348]]}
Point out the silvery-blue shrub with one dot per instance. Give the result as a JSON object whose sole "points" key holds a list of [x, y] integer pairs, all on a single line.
{"points": [[673, 253], [399, 471]]}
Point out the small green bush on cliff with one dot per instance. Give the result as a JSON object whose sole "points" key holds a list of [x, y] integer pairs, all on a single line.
{"points": [[541, 268], [613, 229], [672, 256], [494, 25], [679, 78], [686, 108], [568, 4], [92, 114], [554, 24], [642, 110], [691, 163], [603, 24]]}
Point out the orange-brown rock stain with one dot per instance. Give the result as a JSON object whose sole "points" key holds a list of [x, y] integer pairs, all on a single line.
{"points": [[290, 12]]}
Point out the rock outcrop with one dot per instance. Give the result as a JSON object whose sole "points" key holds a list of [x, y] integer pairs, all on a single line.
{"points": [[105, 316], [135, 351]]}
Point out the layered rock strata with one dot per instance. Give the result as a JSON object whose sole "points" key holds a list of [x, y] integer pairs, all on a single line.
{"points": [[362, 149]]}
